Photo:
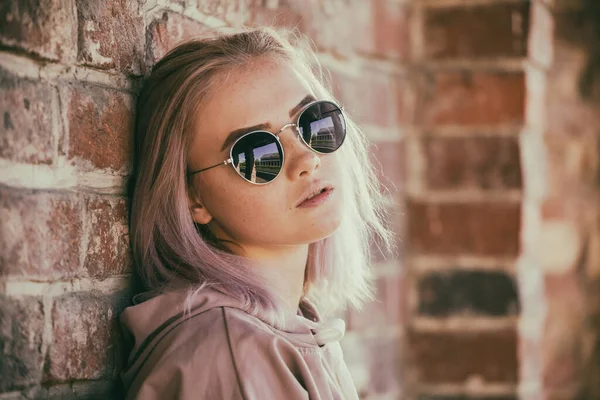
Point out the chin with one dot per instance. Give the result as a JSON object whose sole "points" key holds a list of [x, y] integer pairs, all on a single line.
{"points": [[321, 229]]}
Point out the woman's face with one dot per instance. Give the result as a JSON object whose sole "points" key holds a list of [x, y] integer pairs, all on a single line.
{"points": [[261, 216]]}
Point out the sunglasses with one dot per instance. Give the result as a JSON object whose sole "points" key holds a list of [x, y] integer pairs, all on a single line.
{"points": [[258, 156]]}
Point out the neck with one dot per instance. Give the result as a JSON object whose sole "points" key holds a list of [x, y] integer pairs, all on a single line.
{"points": [[283, 269]]}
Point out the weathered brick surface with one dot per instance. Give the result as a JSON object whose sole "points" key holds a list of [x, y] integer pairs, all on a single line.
{"points": [[233, 12], [469, 98], [40, 234], [389, 25], [486, 293], [21, 329], [100, 126], [86, 341], [111, 35], [46, 28], [169, 29], [493, 30], [472, 162], [26, 130], [108, 252], [453, 357], [459, 228]]}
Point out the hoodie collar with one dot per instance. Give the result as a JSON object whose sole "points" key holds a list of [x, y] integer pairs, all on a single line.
{"points": [[143, 322]]}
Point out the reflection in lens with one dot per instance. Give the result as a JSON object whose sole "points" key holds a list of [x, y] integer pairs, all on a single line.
{"points": [[257, 157], [323, 127]]}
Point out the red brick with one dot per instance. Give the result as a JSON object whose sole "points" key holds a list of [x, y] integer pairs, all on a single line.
{"points": [[47, 28], [496, 30], [487, 229], [471, 98], [100, 127], [333, 26], [388, 308], [385, 31], [111, 35], [41, 233], [473, 162], [21, 338], [26, 132], [86, 343], [562, 339], [108, 250], [453, 357], [455, 292], [388, 159], [168, 30], [374, 98]]}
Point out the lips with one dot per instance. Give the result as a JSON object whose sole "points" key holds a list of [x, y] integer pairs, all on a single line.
{"points": [[313, 190]]}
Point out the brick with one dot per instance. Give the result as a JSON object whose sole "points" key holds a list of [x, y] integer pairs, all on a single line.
{"points": [[473, 162], [47, 28], [26, 132], [280, 17], [562, 338], [486, 229], [388, 308], [168, 30], [108, 250], [374, 98], [111, 35], [333, 26], [21, 333], [388, 159], [486, 293], [233, 12], [86, 343], [496, 30], [471, 98], [453, 357], [384, 30], [100, 127], [40, 234]]}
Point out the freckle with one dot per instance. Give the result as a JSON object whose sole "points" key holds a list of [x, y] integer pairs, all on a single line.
{"points": [[26, 102]]}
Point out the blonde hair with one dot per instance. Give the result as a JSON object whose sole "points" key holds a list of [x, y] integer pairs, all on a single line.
{"points": [[171, 250]]}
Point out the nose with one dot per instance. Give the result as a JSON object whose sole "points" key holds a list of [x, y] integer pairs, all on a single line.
{"points": [[300, 161]]}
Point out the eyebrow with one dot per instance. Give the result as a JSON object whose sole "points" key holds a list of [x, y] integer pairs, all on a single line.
{"points": [[233, 135]]}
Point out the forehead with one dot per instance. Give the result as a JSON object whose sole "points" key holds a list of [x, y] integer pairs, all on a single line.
{"points": [[260, 92]]}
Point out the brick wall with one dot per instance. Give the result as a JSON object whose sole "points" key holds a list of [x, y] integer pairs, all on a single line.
{"points": [[69, 71], [485, 139]]}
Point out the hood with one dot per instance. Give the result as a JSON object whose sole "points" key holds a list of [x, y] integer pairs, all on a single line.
{"points": [[142, 322]]}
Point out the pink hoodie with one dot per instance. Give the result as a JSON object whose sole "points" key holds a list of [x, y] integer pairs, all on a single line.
{"points": [[222, 352]]}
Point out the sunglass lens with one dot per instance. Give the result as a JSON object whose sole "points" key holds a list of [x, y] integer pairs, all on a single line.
{"points": [[257, 157], [323, 127]]}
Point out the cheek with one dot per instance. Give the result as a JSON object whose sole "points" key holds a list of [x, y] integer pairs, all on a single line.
{"points": [[240, 208]]}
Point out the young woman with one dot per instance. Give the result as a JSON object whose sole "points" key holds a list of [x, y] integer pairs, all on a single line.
{"points": [[252, 208]]}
